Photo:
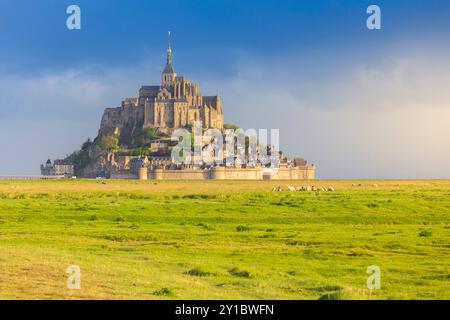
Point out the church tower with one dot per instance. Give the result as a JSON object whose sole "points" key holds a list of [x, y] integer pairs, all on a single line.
{"points": [[168, 74]]}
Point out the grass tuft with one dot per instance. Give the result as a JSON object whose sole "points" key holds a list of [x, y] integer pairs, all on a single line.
{"points": [[425, 233], [163, 292], [197, 272], [239, 273], [242, 228]]}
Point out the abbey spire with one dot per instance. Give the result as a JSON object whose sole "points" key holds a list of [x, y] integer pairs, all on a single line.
{"points": [[169, 74], [169, 53]]}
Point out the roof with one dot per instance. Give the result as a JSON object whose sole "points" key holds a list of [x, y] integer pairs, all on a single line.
{"points": [[63, 162], [211, 98], [152, 88], [149, 91], [169, 68]]}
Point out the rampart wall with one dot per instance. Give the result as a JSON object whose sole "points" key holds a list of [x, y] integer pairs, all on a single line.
{"points": [[222, 173]]}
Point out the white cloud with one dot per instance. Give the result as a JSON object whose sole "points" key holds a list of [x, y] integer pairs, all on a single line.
{"points": [[358, 120], [52, 114], [353, 119]]}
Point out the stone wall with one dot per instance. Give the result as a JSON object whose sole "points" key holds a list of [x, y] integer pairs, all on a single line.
{"points": [[188, 174], [221, 173]]}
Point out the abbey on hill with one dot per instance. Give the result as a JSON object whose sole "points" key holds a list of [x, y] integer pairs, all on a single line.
{"points": [[135, 140], [176, 103]]}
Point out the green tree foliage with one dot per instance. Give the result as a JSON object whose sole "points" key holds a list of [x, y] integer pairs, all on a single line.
{"points": [[81, 158], [142, 151], [141, 137], [108, 143], [149, 134], [231, 126]]}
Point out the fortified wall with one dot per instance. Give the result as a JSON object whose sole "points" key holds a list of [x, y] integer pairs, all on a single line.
{"points": [[221, 173]]}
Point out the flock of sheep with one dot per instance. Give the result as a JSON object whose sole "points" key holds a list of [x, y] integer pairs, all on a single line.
{"points": [[360, 185], [316, 188], [303, 188]]}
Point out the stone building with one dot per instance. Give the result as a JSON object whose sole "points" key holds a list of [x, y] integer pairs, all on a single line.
{"points": [[147, 154], [58, 168], [175, 103]]}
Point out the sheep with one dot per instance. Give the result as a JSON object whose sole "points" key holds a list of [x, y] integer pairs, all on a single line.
{"points": [[291, 188]]}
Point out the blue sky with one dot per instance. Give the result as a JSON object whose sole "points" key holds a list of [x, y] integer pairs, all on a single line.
{"points": [[310, 68], [205, 31]]}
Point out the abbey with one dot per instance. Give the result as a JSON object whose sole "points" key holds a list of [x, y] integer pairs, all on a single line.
{"points": [[176, 103], [137, 140]]}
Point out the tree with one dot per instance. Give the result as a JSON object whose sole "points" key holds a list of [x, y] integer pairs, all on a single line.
{"points": [[109, 143], [86, 145], [81, 159], [149, 134], [231, 126]]}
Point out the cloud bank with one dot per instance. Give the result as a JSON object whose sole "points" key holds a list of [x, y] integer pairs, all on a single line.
{"points": [[389, 119], [353, 119]]}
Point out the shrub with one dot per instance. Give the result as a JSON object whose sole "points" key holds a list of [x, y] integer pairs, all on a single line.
{"points": [[331, 293], [199, 196], [239, 273], [425, 233], [295, 243], [108, 142], [337, 295], [197, 272], [242, 228], [204, 226], [115, 238], [163, 292], [230, 126]]}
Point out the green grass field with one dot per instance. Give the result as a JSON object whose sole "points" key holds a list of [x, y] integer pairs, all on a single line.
{"points": [[224, 240]]}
